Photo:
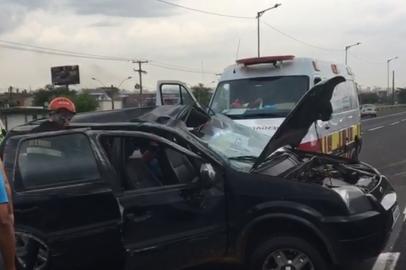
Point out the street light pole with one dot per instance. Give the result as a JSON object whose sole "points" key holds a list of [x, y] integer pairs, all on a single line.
{"points": [[387, 69], [97, 80], [124, 80], [259, 14], [347, 48]]}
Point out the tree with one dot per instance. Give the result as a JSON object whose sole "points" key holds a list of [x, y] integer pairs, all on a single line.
{"points": [[402, 95], [368, 98], [45, 95], [85, 103], [202, 93]]}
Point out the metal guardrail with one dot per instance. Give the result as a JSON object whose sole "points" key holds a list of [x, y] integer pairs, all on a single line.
{"points": [[390, 107]]}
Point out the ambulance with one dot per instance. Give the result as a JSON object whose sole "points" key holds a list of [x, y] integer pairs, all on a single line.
{"points": [[260, 92]]}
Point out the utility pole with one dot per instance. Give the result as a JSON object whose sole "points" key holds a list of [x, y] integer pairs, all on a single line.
{"points": [[140, 72], [259, 14], [393, 87]]}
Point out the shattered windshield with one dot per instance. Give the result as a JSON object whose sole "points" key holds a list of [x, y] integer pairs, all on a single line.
{"points": [[232, 140]]}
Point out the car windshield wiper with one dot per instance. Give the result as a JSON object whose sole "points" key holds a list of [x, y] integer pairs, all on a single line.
{"points": [[244, 158]]}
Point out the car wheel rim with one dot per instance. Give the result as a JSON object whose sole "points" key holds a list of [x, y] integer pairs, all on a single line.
{"points": [[288, 259], [41, 260]]}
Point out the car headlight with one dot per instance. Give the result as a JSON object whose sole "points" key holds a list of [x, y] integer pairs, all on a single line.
{"points": [[354, 198]]}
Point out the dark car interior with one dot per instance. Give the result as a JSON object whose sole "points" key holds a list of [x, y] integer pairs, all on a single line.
{"points": [[141, 163]]}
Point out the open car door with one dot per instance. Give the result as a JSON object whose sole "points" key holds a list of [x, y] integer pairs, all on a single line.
{"points": [[170, 92]]}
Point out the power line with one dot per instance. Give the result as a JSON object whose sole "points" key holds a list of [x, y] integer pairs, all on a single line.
{"points": [[367, 60], [58, 52], [180, 69], [299, 40], [205, 11], [246, 17], [175, 65], [267, 24], [83, 56], [13, 43]]}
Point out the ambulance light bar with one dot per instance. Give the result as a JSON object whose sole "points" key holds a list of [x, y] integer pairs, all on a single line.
{"points": [[264, 60]]}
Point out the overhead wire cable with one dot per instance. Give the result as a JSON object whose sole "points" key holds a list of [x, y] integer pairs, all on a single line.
{"points": [[205, 11], [180, 69], [299, 40], [27, 49], [13, 43]]}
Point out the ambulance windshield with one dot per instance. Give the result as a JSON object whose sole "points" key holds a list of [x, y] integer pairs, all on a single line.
{"points": [[266, 97]]}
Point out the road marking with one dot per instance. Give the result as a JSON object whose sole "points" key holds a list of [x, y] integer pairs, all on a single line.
{"points": [[399, 173], [394, 164], [403, 120], [376, 128], [394, 123], [404, 214], [386, 261]]}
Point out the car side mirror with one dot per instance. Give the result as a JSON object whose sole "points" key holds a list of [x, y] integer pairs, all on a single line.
{"points": [[207, 175]]}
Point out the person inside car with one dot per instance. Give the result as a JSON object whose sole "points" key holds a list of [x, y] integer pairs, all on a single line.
{"points": [[150, 157], [61, 111], [7, 240]]}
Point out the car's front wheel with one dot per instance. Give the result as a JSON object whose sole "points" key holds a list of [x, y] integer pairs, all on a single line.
{"points": [[287, 253]]}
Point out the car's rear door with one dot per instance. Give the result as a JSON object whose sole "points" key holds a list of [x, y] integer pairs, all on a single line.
{"points": [[63, 199]]}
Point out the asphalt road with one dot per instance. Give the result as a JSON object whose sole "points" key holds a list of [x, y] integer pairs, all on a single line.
{"points": [[384, 146]]}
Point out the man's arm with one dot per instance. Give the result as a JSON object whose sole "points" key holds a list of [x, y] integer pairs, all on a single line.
{"points": [[7, 234], [9, 192], [7, 238]]}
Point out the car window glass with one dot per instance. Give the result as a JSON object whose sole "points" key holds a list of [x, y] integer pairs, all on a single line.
{"points": [[56, 161], [344, 97], [186, 98], [258, 97], [170, 94], [148, 164]]}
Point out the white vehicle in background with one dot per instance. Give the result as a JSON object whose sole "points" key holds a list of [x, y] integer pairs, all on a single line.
{"points": [[368, 110], [260, 92]]}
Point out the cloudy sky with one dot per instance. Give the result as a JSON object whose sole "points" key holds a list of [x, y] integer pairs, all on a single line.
{"points": [[197, 45]]}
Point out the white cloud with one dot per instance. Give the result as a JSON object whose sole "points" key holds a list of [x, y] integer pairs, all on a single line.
{"points": [[148, 29]]}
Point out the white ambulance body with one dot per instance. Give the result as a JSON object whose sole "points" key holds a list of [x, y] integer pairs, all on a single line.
{"points": [[260, 92]]}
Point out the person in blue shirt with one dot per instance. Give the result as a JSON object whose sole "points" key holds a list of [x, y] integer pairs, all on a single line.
{"points": [[7, 237]]}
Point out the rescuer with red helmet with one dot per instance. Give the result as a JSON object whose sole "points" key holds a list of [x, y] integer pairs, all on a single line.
{"points": [[61, 111]]}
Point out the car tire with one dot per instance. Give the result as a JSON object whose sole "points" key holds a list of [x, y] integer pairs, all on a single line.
{"points": [[284, 251], [32, 252]]}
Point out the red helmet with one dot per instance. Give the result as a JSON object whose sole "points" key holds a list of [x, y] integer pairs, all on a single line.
{"points": [[62, 103]]}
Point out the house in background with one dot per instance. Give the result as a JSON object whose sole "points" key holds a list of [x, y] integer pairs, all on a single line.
{"points": [[104, 100], [16, 108], [134, 100]]}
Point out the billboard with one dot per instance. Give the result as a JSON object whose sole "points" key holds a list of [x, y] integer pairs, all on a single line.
{"points": [[65, 75]]}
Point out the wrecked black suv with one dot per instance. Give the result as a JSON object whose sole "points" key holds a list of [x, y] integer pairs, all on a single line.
{"points": [[155, 194]]}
